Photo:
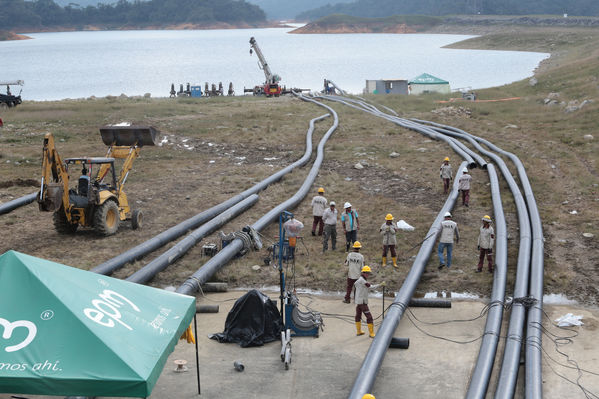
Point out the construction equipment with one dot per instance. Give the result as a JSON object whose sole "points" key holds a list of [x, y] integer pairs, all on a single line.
{"points": [[299, 322], [9, 100], [271, 85], [99, 200]]}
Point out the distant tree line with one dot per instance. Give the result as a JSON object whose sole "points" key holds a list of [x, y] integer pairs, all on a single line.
{"points": [[382, 8], [46, 13]]}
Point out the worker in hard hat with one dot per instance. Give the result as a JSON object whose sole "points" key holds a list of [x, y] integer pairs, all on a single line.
{"points": [[486, 240], [354, 262], [464, 186], [351, 225], [449, 230], [329, 218], [362, 288], [446, 174], [319, 204], [388, 231]]}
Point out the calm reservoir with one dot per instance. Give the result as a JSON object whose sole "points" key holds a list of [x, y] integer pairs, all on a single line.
{"points": [[81, 64]]}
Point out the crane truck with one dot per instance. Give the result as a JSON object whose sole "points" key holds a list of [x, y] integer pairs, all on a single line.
{"points": [[271, 85], [98, 201]]}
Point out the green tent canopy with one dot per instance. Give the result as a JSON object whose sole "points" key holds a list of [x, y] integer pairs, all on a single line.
{"points": [[65, 331], [426, 79]]}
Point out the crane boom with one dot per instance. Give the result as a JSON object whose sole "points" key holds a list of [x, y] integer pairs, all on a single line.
{"points": [[270, 78]]}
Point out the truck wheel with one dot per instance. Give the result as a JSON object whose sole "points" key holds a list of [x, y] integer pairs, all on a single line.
{"points": [[137, 219], [106, 218], [61, 224]]}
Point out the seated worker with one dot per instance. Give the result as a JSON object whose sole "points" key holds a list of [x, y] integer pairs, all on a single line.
{"points": [[83, 186]]}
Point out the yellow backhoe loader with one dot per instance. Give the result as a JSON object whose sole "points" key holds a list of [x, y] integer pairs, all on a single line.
{"points": [[98, 201]]}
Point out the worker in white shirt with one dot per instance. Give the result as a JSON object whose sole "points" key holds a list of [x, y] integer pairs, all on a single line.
{"points": [[319, 204], [464, 187], [446, 174], [486, 240], [329, 218], [449, 230], [362, 288]]}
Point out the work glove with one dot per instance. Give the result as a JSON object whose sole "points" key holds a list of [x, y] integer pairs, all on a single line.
{"points": [[490, 251], [478, 247]]}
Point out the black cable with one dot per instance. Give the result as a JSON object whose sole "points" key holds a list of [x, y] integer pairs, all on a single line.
{"points": [[561, 341]]}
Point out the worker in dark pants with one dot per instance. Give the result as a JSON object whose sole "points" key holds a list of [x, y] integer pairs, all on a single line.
{"points": [[319, 204], [354, 262], [486, 240], [329, 218], [351, 225], [446, 174], [362, 288], [464, 187]]}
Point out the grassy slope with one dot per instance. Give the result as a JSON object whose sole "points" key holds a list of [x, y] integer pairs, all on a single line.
{"points": [[172, 182], [333, 22]]}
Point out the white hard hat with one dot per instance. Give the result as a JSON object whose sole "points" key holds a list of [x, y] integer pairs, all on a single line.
{"points": [[347, 205], [465, 170], [447, 215], [332, 203]]}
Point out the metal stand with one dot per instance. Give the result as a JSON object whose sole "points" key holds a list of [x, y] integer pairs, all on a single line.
{"points": [[195, 331], [283, 217]]}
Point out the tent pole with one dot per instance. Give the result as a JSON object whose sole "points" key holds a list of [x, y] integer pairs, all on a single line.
{"points": [[195, 331]]}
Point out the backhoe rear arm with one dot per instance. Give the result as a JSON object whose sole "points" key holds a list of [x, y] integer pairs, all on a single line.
{"points": [[55, 178]]}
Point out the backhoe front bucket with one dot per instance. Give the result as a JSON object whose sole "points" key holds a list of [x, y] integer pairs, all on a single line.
{"points": [[129, 135]]}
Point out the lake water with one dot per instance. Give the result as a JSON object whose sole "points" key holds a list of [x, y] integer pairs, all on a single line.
{"points": [[81, 64]]}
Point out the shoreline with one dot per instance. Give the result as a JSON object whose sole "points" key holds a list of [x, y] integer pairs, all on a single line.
{"points": [[20, 34]]}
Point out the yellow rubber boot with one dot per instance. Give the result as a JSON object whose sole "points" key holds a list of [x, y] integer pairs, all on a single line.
{"points": [[394, 261], [359, 328], [371, 330], [384, 264]]}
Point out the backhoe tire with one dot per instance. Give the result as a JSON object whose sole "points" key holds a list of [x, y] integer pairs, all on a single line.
{"points": [[106, 218], [137, 219], [61, 224]]}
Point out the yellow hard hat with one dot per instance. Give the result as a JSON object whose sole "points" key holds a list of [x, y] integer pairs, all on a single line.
{"points": [[366, 269], [389, 217], [368, 396], [357, 244], [321, 190], [446, 159], [487, 218]]}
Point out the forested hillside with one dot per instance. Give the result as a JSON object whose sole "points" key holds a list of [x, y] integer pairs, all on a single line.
{"points": [[46, 13], [381, 8], [288, 9], [274, 9]]}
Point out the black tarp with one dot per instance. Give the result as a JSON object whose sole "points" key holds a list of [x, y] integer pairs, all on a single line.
{"points": [[253, 321]]}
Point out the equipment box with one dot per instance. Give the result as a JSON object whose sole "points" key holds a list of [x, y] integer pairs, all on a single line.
{"points": [[196, 91]]}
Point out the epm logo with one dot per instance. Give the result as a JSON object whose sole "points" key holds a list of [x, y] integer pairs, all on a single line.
{"points": [[106, 309], [9, 327]]}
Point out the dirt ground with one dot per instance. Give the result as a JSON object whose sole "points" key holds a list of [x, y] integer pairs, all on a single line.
{"points": [[215, 148]]}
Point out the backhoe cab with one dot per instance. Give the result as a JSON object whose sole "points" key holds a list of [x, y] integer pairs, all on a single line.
{"points": [[98, 201]]}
